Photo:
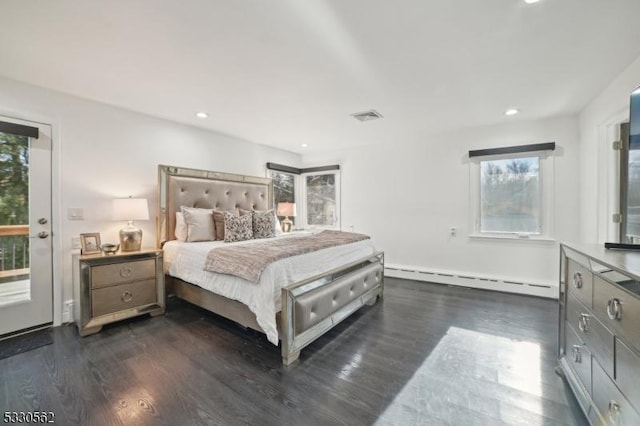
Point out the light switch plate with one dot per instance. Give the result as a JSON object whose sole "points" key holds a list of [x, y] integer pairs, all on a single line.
{"points": [[75, 213]]}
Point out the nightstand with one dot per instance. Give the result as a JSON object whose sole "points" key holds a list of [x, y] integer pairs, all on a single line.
{"points": [[109, 288]]}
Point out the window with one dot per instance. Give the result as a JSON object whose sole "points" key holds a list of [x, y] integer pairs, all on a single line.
{"points": [[512, 193], [284, 188], [315, 190], [322, 199]]}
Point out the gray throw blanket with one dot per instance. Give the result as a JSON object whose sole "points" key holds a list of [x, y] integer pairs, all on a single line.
{"points": [[249, 260]]}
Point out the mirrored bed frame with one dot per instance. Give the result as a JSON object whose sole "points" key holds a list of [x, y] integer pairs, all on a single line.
{"points": [[310, 307]]}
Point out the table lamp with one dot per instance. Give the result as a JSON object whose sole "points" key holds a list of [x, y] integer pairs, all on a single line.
{"points": [[286, 210], [130, 209]]}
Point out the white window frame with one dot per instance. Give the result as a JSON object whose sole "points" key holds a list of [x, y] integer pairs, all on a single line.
{"points": [[300, 194], [546, 177]]}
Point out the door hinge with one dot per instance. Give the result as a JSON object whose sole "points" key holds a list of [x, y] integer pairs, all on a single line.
{"points": [[617, 218], [617, 145]]}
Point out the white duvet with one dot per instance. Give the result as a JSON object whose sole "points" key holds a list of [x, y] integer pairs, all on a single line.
{"points": [[186, 261]]}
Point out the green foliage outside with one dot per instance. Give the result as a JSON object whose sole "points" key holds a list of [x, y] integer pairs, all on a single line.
{"points": [[283, 189], [14, 199], [510, 195]]}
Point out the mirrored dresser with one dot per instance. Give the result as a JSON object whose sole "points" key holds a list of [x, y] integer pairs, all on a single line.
{"points": [[114, 287], [599, 331]]}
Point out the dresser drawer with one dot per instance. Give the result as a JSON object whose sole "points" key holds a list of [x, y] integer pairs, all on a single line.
{"points": [[117, 273], [579, 356], [613, 406], [579, 282], [592, 332], [112, 299], [618, 309], [628, 373]]}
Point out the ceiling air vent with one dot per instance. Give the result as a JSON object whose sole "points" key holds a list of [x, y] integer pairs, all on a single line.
{"points": [[367, 115]]}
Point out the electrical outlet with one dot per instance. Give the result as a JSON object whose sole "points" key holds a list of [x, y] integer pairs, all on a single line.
{"points": [[453, 231], [67, 313], [75, 243]]}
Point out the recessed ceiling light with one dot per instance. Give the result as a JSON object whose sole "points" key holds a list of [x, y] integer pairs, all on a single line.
{"points": [[202, 114], [304, 145], [511, 111], [531, 1]]}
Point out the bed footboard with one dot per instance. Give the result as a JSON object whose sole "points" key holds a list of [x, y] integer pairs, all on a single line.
{"points": [[313, 306]]}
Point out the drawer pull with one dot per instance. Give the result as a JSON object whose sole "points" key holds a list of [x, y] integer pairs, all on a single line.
{"points": [[614, 309], [577, 355], [614, 412], [125, 272], [127, 296], [583, 322], [577, 279]]}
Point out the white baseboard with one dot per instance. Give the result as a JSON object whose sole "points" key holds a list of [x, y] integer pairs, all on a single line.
{"points": [[470, 280]]}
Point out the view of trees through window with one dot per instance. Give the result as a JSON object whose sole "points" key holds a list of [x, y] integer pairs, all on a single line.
{"points": [[14, 199], [284, 186], [510, 196], [319, 192], [321, 200]]}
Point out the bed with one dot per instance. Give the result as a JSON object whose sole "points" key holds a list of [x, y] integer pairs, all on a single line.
{"points": [[297, 299]]}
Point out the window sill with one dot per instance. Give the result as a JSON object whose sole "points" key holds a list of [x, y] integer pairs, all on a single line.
{"points": [[512, 237]]}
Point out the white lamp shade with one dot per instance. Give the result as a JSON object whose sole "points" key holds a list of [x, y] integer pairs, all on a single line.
{"points": [[286, 209], [130, 209]]}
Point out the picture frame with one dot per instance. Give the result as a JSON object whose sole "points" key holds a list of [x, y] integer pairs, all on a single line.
{"points": [[90, 243]]}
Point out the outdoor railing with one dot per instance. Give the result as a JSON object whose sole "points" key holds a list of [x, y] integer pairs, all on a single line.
{"points": [[14, 250]]}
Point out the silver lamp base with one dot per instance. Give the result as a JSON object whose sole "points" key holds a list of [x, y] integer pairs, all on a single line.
{"points": [[286, 224], [130, 238]]}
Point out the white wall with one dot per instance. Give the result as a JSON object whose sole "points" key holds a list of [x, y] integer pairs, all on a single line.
{"points": [[597, 164], [409, 196], [102, 152]]}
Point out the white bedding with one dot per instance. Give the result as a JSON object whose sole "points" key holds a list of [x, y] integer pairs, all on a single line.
{"points": [[186, 261]]}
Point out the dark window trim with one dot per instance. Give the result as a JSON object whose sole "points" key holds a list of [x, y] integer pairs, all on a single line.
{"points": [[320, 169], [549, 146], [19, 129], [297, 171]]}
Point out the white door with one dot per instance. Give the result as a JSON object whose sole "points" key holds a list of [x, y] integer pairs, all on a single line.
{"points": [[26, 269]]}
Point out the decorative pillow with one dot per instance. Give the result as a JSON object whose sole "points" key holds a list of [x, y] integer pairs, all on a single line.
{"points": [[218, 219], [200, 225], [237, 228], [263, 224], [181, 227]]}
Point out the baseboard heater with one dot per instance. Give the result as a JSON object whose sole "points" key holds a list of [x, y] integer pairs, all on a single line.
{"points": [[466, 280]]}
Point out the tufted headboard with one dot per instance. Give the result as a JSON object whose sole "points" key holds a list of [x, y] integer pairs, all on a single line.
{"points": [[179, 186]]}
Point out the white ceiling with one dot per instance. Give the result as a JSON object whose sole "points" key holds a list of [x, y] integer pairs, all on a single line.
{"points": [[287, 72]]}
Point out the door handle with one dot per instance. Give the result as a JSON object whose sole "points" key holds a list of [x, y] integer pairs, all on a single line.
{"points": [[41, 234]]}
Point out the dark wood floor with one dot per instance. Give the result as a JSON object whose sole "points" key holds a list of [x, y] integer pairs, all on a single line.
{"points": [[428, 354]]}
